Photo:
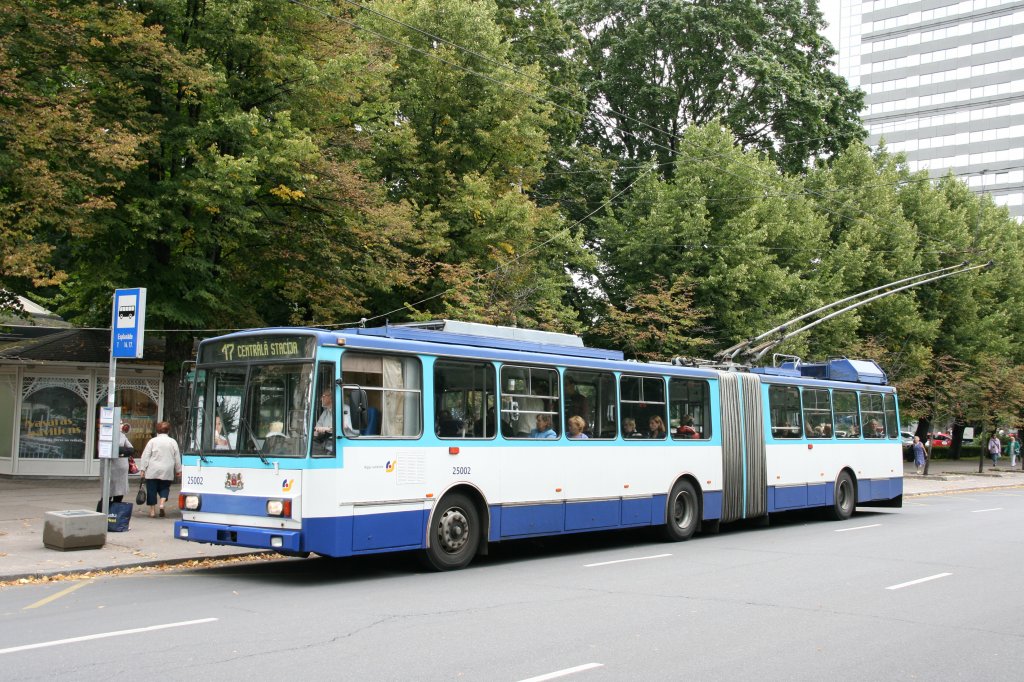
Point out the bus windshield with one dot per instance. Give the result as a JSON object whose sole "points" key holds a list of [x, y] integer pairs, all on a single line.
{"points": [[256, 409]]}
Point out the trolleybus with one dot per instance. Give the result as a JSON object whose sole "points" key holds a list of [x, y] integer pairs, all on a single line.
{"points": [[445, 437]]}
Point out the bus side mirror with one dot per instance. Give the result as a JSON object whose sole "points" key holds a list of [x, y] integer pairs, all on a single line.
{"points": [[357, 408]]}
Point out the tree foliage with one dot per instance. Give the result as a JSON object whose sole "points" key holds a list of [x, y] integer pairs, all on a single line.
{"points": [[656, 67]]}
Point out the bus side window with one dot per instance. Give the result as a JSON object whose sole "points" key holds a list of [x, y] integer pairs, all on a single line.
{"points": [[873, 414], [689, 408], [847, 415], [464, 399], [394, 387], [591, 396], [642, 405], [892, 422], [784, 408], [817, 412]]}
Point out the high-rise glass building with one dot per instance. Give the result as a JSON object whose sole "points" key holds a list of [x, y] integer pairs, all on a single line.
{"points": [[945, 84]]}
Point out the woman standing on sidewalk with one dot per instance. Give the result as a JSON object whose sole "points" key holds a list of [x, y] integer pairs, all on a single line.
{"points": [[161, 463], [994, 448], [1013, 450], [918, 454]]}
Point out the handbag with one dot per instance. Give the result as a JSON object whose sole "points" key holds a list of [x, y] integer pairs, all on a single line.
{"points": [[133, 468], [119, 516], [140, 497]]}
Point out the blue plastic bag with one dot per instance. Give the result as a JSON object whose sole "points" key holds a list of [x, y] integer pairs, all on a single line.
{"points": [[119, 516]]}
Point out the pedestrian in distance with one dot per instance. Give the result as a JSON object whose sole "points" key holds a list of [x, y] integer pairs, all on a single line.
{"points": [[994, 448], [161, 464], [919, 454], [1013, 450]]}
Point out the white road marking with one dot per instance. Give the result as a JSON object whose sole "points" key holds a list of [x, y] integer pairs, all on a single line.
{"points": [[67, 590], [103, 635], [918, 581], [843, 530], [978, 511], [622, 561], [565, 672]]}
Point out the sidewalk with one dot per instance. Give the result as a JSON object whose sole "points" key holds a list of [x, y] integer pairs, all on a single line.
{"points": [[23, 504]]}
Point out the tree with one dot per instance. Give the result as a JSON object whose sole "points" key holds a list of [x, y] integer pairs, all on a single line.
{"points": [[653, 68], [730, 224], [476, 141], [65, 149], [256, 201]]}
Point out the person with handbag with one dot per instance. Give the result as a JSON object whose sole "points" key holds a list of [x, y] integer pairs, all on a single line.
{"points": [[160, 465]]}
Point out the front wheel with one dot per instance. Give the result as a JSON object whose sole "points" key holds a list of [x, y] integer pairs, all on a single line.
{"points": [[845, 498], [454, 534], [683, 513]]}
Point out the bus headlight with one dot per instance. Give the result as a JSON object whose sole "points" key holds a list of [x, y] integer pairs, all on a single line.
{"points": [[189, 502], [279, 507]]}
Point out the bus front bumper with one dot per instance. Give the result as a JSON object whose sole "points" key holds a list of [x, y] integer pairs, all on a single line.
{"points": [[275, 539]]}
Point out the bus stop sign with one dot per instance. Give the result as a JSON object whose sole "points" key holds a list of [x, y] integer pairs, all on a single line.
{"points": [[129, 320]]}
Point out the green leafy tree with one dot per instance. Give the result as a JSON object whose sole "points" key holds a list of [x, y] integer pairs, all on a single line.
{"points": [[71, 129], [653, 68], [476, 142], [730, 224], [256, 201]]}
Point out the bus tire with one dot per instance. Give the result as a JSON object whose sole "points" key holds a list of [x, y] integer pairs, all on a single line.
{"points": [[845, 498], [683, 513], [454, 534]]}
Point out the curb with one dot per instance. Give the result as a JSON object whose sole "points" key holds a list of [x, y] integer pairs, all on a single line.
{"points": [[72, 572]]}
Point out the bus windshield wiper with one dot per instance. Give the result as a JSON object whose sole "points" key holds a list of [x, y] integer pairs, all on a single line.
{"points": [[252, 439]]}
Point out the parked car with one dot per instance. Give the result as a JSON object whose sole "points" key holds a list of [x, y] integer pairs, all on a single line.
{"points": [[941, 440], [907, 440]]}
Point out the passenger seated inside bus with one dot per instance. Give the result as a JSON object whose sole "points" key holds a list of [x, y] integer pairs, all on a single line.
{"points": [[543, 429], [629, 428], [656, 427], [448, 426], [574, 427], [686, 429], [276, 442]]}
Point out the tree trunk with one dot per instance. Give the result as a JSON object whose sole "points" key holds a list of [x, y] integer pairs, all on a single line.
{"points": [[958, 438]]}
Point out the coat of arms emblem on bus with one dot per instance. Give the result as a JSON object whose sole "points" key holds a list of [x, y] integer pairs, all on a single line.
{"points": [[233, 482]]}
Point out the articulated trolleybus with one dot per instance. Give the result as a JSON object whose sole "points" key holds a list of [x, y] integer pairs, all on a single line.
{"points": [[452, 435]]}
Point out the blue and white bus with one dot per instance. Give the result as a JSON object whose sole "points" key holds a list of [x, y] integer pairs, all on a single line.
{"points": [[454, 435]]}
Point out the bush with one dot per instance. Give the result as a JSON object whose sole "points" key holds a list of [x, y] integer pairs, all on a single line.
{"points": [[966, 452]]}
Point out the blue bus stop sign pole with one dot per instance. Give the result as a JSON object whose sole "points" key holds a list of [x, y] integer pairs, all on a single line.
{"points": [[127, 330]]}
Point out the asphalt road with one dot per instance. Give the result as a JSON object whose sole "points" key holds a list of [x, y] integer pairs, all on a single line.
{"points": [[927, 592]]}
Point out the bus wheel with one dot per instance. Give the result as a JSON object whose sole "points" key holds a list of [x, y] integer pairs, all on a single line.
{"points": [[683, 515], [454, 535], [842, 507]]}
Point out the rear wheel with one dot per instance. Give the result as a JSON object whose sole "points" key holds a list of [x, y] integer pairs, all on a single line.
{"points": [[454, 534], [845, 498], [683, 513]]}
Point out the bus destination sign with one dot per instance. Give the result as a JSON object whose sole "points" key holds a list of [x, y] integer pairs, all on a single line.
{"points": [[258, 349]]}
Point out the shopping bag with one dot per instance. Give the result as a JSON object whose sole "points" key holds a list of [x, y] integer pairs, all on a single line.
{"points": [[119, 516]]}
